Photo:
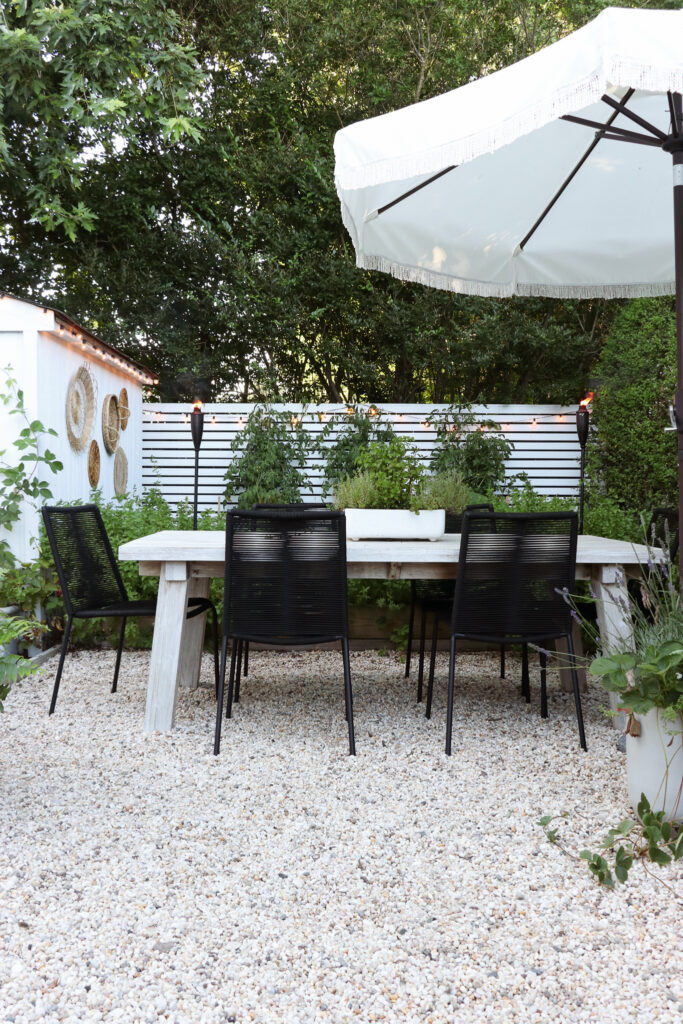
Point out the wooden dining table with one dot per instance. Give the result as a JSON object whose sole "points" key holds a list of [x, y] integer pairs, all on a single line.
{"points": [[186, 561]]}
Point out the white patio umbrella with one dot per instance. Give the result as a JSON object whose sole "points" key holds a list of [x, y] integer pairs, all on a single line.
{"points": [[544, 178]]}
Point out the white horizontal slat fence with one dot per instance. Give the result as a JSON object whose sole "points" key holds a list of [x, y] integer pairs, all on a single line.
{"points": [[544, 440]]}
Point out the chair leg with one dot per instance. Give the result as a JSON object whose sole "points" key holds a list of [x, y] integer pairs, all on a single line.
{"points": [[502, 661], [215, 650], [62, 655], [348, 694], [544, 689], [526, 689], [411, 622], [577, 692], [432, 665], [420, 672], [231, 684], [451, 688], [118, 655], [240, 653], [221, 690], [246, 659]]}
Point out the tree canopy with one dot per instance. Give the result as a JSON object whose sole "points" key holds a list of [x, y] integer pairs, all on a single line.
{"points": [[166, 176]]}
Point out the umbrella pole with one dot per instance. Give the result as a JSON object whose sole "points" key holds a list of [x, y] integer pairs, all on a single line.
{"points": [[678, 256]]}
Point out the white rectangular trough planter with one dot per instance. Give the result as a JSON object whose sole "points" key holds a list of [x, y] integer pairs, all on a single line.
{"points": [[394, 524]]}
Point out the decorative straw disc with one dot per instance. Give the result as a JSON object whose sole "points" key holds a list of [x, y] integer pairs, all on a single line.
{"points": [[124, 411], [111, 423], [80, 408], [94, 464], [120, 472]]}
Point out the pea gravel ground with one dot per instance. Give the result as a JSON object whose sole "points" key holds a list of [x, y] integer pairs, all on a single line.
{"points": [[144, 880]]}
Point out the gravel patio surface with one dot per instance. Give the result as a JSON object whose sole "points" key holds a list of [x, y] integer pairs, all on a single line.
{"points": [[142, 879]]}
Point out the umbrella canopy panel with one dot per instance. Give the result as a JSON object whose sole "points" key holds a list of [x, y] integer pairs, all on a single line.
{"points": [[609, 232]]}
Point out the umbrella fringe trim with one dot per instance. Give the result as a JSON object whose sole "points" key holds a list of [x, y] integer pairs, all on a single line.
{"points": [[570, 99], [488, 289]]}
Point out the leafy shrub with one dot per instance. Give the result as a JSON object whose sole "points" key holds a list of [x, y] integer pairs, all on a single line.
{"points": [[269, 456], [476, 451], [354, 432], [12, 666], [604, 517], [523, 498], [630, 457]]}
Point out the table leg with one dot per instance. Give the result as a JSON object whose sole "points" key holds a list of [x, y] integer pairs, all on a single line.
{"points": [[193, 639], [614, 621], [167, 645]]}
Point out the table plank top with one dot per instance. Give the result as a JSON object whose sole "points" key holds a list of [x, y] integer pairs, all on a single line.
{"points": [[209, 546]]}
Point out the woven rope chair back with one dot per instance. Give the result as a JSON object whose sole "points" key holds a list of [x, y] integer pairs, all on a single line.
{"points": [[86, 567], [512, 573], [435, 590], [285, 575]]}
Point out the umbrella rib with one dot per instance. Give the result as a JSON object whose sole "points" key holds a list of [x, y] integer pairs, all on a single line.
{"points": [[675, 120], [410, 192], [620, 133], [570, 176], [621, 109]]}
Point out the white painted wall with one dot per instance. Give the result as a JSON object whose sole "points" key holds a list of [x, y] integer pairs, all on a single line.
{"points": [[43, 363]]}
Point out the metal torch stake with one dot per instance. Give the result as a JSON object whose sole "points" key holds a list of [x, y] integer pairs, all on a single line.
{"points": [[582, 419], [197, 425]]}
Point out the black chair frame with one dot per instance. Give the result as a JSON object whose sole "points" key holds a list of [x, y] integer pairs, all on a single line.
{"points": [[284, 519], [102, 590], [557, 625]]}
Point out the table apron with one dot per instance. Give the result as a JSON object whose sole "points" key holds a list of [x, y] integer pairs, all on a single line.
{"points": [[388, 570]]}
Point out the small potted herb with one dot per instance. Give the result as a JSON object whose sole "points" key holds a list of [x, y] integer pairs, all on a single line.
{"points": [[382, 500]]}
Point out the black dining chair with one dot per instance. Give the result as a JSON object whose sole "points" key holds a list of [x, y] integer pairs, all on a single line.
{"points": [[243, 646], [514, 572], [436, 596], [91, 581], [285, 584]]}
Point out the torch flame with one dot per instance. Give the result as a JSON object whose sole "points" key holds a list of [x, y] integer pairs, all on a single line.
{"points": [[197, 407], [587, 400]]}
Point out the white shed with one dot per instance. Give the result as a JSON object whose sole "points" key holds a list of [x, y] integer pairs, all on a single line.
{"points": [[87, 391]]}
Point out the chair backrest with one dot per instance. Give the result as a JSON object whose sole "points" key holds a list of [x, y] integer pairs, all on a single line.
{"points": [[454, 519], [512, 572], [285, 575], [88, 573]]}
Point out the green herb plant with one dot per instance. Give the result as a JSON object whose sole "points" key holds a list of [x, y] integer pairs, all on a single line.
{"points": [[342, 440], [477, 451], [390, 474], [269, 456]]}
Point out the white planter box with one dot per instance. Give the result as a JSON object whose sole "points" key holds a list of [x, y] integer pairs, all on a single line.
{"points": [[394, 524], [654, 764]]}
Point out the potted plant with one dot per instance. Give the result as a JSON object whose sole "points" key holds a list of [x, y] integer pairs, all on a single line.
{"points": [[647, 676], [382, 500]]}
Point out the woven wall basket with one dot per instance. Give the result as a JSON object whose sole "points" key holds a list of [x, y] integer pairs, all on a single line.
{"points": [[94, 463], [111, 423], [120, 472], [124, 411], [80, 408]]}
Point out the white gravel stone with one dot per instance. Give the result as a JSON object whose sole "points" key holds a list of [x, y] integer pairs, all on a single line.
{"points": [[145, 880]]}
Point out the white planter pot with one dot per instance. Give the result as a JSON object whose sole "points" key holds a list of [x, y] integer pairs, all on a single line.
{"points": [[394, 524], [654, 764]]}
